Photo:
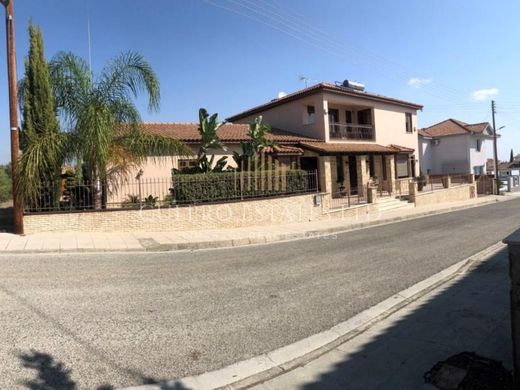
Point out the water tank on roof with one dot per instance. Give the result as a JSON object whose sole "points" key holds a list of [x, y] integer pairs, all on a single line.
{"points": [[353, 85]]}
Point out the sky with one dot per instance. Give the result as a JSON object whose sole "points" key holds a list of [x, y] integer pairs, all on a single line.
{"points": [[453, 57]]}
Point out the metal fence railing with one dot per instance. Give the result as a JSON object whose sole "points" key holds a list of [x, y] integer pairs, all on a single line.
{"points": [[439, 182], [347, 198], [184, 189]]}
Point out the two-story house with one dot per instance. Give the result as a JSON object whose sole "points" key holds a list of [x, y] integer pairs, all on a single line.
{"points": [[455, 147], [358, 136], [350, 136]]}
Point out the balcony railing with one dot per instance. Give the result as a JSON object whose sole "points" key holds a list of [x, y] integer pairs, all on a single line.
{"points": [[349, 131]]}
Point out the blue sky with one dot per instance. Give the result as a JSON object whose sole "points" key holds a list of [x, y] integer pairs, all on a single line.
{"points": [[228, 55]]}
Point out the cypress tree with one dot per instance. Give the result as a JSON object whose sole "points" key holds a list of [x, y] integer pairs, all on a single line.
{"points": [[512, 157], [41, 138]]}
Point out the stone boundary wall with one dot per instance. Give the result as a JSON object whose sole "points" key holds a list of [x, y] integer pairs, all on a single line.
{"points": [[257, 212], [452, 194]]}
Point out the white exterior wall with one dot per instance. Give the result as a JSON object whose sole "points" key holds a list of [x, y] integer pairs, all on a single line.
{"points": [[477, 158], [453, 154], [450, 156], [425, 155]]}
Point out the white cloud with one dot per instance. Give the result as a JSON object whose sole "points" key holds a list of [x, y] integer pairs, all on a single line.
{"points": [[417, 82], [483, 94]]}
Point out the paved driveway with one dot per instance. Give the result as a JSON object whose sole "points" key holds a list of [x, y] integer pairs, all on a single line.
{"points": [[96, 321]]}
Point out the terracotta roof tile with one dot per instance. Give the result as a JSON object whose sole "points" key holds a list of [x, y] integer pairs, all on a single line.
{"points": [[402, 149], [228, 133], [284, 150], [346, 147], [452, 127]]}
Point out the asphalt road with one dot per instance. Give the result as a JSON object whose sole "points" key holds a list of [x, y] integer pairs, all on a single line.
{"points": [[102, 320]]}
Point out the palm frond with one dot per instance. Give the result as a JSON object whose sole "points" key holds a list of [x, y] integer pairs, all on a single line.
{"points": [[126, 76], [72, 83], [44, 154], [146, 145]]}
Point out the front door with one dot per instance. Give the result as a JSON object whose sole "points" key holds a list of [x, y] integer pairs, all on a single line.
{"points": [[352, 170], [309, 163]]}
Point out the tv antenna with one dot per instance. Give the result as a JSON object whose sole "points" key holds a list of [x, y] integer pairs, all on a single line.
{"points": [[304, 79]]}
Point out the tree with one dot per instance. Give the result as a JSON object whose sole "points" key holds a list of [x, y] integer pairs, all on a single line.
{"points": [[102, 118], [5, 184], [511, 157], [42, 142], [208, 127]]}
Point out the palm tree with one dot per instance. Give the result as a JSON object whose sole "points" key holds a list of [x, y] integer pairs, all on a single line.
{"points": [[101, 119]]}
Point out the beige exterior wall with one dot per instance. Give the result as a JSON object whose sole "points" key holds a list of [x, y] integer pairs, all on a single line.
{"points": [[202, 217], [389, 120], [291, 116], [156, 177], [453, 194]]}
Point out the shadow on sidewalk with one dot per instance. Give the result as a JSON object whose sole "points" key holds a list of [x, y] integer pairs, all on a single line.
{"points": [[469, 314]]}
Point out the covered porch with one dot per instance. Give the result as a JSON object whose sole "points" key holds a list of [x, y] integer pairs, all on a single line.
{"points": [[348, 170]]}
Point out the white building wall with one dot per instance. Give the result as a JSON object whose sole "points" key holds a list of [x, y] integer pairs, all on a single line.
{"points": [[425, 155], [450, 155], [477, 158]]}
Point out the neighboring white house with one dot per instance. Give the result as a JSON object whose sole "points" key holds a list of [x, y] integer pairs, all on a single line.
{"points": [[455, 147]]}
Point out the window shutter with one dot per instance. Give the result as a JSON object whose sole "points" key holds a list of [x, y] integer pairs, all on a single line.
{"points": [[402, 165]]}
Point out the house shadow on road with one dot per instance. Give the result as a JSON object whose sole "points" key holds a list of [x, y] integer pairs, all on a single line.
{"points": [[466, 314]]}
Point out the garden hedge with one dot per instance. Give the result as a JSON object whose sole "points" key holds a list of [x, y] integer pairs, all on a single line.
{"points": [[208, 187]]}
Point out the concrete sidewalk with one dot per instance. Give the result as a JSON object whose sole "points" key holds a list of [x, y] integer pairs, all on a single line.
{"points": [[165, 241], [468, 313]]}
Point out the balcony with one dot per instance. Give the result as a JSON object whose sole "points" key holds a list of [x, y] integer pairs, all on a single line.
{"points": [[349, 131]]}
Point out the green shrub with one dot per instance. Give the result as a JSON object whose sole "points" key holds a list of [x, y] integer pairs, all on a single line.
{"points": [[131, 201], [5, 184], [210, 187]]}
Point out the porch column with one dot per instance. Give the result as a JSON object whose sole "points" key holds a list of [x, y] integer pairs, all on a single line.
{"points": [[390, 172], [325, 173], [346, 172], [362, 174], [334, 174]]}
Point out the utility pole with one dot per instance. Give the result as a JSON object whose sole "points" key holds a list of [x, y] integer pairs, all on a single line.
{"points": [[13, 113], [495, 152]]}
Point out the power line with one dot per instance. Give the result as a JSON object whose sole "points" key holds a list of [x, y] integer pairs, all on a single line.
{"points": [[315, 37]]}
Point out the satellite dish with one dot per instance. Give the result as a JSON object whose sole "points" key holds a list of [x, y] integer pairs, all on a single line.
{"points": [[281, 94]]}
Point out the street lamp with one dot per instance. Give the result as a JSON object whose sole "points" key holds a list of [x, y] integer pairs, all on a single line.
{"points": [[13, 113]]}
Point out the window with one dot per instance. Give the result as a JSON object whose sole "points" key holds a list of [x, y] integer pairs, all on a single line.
{"points": [[334, 121], [478, 170], [333, 115], [310, 115], [479, 146], [365, 117], [348, 116], [408, 122], [187, 163]]}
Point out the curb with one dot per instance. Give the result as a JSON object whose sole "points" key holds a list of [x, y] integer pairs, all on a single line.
{"points": [[258, 240], [269, 365]]}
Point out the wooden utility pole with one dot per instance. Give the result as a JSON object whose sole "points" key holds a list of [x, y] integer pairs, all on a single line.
{"points": [[13, 114], [495, 152]]}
